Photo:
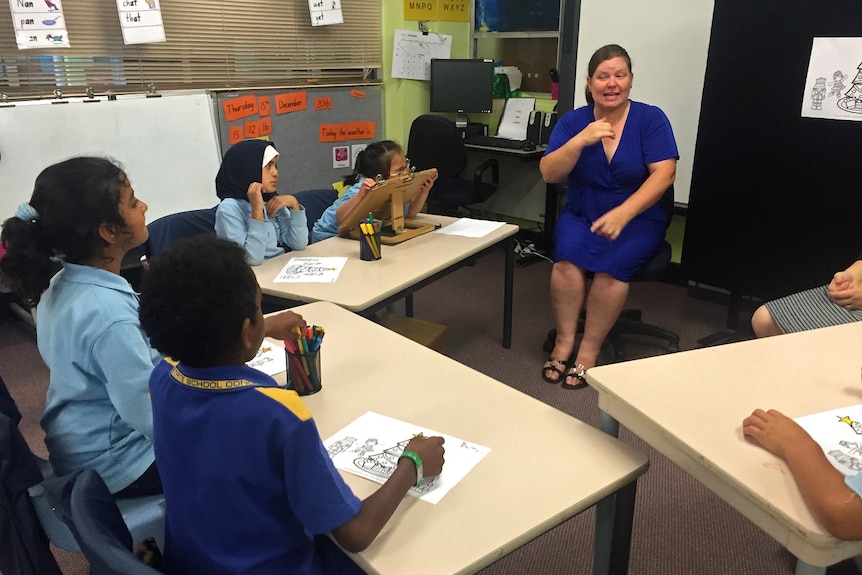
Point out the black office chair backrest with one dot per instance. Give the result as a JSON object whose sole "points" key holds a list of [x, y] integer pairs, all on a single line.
{"points": [[435, 142], [667, 203], [24, 544]]}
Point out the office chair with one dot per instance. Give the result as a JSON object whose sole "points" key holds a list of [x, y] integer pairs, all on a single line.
{"points": [[164, 232], [98, 525], [167, 230], [315, 203], [629, 322], [25, 546], [38, 512], [435, 142]]}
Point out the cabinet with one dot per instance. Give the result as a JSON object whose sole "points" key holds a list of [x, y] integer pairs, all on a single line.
{"points": [[518, 33]]}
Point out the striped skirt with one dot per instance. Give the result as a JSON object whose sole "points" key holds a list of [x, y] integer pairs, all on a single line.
{"points": [[809, 309]]}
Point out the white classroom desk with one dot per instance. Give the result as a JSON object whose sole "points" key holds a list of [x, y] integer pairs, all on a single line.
{"points": [[367, 286], [690, 406], [543, 466]]}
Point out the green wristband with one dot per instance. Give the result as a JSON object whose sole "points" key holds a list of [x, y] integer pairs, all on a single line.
{"points": [[417, 461]]}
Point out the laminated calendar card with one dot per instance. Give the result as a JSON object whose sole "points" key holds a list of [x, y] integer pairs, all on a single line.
{"points": [[371, 445]]}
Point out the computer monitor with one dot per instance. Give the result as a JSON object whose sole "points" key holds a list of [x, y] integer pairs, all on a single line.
{"points": [[462, 86]]}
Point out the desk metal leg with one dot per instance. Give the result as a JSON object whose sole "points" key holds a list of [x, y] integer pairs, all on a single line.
{"points": [[803, 568], [614, 518], [609, 425], [508, 289]]}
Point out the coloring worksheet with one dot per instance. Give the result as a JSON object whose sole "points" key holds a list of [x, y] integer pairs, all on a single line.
{"points": [[270, 359], [371, 445], [839, 434], [307, 269]]}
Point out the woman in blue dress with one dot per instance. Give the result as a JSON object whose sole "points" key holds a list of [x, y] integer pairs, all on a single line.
{"points": [[618, 158]]}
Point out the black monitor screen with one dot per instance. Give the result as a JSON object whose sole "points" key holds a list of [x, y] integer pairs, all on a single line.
{"points": [[462, 85]]}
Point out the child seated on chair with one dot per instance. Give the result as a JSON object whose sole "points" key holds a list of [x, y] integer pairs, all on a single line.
{"points": [[251, 213], [385, 158], [249, 486]]}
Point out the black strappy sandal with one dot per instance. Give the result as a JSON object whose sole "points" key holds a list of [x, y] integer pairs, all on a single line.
{"points": [[577, 371], [547, 370]]}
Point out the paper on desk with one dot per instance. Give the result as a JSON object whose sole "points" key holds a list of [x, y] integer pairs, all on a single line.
{"points": [[839, 434], [270, 359], [311, 270], [371, 445], [515, 118], [470, 228]]}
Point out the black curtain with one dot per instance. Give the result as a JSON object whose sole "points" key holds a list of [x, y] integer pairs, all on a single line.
{"points": [[776, 199]]}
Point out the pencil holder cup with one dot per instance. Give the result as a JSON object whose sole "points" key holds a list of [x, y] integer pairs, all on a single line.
{"points": [[369, 246], [303, 372]]}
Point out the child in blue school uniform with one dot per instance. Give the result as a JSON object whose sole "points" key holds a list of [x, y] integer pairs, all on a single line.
{"points": [[249, 486], [84, 214], [251, 213], [384, 158]]}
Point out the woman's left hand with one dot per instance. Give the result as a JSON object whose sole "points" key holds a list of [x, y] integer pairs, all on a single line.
{"points": [[281, 201], [611, 224]]}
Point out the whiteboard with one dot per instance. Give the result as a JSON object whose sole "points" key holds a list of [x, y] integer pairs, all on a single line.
{"points": [[168, 146], [668, 42]]}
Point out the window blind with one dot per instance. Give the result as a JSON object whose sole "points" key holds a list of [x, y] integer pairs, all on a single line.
{"points": [[211, 44]]}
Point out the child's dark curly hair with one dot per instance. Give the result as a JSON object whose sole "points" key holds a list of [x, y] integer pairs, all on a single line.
{"points": [[195, 297]]}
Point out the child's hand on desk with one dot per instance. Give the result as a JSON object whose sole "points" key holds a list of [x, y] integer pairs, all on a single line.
{"points": [[430, 451], [281, 201], [284, 325], [774, 431]]}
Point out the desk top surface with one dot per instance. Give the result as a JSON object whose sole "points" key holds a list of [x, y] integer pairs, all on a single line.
{"points": [[543, 466], [690, 407], [361, 284], [524, 154]]}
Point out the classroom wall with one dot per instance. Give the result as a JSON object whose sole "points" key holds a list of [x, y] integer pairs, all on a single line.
{"points": [[404, 100], [668, 42]]}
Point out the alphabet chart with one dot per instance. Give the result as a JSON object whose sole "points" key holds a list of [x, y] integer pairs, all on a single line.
{"points": [[412, 53], [39, 24]]}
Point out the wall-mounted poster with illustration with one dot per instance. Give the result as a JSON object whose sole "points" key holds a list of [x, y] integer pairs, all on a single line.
{"points": [[833, 87], [517, 15]]}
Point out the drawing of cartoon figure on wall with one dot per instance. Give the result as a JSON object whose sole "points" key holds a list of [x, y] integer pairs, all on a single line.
{"points": [[383, 465], [340, 446], [818, 93], [51, 6], [852, 100], [837, 83], [151, 4]]}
